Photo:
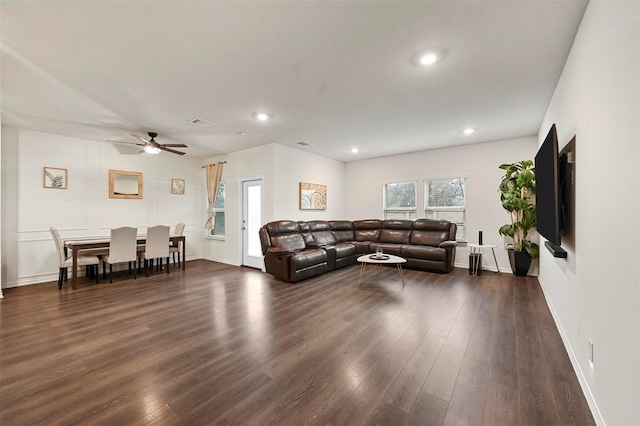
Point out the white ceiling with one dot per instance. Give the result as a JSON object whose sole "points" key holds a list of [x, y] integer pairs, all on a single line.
{"points": [[333, 74]]}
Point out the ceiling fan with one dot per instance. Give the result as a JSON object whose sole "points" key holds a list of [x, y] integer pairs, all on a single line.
{"points": [[152, 147]]}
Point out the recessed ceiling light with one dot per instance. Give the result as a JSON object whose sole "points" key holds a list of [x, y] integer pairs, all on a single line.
{"points": [[303, 143], [261, 116], [468, 131], [428, 59], [354, 150]]}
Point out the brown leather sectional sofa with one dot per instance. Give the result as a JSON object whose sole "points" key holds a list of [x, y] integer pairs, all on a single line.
{"points": [[294, 251]]}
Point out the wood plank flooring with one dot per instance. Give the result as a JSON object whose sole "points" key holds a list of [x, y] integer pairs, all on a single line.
{"points": [[223, 345]]}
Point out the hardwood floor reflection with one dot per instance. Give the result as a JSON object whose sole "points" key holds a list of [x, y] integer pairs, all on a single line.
{"points": [[218, 344]]}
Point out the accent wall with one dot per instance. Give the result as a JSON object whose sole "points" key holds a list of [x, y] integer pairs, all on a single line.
{"points": [[84, 208]]}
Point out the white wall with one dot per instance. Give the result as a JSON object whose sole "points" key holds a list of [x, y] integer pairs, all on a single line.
{"points": [[254, 163], [1, 274], [84, 208], [281, 168], [478, 163], [598, 100], [292, 166]]}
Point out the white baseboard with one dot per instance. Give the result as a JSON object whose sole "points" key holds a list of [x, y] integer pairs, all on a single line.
{"points": [[484, 268], [226, 262], [48, 277], [595, 411]]}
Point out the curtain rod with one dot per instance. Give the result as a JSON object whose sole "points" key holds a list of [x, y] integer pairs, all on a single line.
{"points": [[223, 162]]}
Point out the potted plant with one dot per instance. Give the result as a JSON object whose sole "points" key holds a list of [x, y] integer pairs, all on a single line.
{"points": [[517, 194]]}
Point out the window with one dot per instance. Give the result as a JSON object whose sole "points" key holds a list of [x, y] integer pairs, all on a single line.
{"points": [[218, 213], [400, 200], [445, 199]]}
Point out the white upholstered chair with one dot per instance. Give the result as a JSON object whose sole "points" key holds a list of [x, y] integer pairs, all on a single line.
{"points": [[157, 246], [173, 249], [66, 262], [122, 248]]}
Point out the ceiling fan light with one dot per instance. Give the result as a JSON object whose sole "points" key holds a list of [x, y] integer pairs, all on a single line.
{"points": [[150, 149]]}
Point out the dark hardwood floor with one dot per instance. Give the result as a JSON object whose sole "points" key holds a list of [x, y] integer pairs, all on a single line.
{"points": [[217, 344]]}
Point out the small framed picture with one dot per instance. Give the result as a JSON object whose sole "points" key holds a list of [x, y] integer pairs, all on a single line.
{"points": [[177, 186], [55, 178], [313, 196]]}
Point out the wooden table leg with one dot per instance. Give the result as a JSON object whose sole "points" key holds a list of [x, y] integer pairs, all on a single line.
{"points": [[184, 255], [362, 266], [75, 269], [496, 260], [401, 273], [475, 258]]}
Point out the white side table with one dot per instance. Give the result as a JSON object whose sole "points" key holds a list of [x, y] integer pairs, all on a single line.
{"points": [[477, 249]]}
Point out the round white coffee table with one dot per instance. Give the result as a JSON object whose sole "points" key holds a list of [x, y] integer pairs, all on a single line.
{"points": [[384, 260]]}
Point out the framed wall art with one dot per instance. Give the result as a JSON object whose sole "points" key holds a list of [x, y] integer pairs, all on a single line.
{"points": [[55, 178], [177, 186], [125, 185], [313, 196]]}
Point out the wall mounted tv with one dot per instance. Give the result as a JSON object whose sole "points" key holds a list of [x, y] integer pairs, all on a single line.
{"points": [[551, 193]]}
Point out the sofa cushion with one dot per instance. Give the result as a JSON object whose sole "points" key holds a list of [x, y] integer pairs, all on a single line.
{"points": [[394, 236], [397, 224], [345, 250], [423, 252], [284, 234], [319, 225], [322, 233], [428, 232], [366, 224], [366, 235], [305, 231], [281, 227], [362, 247], [387, 248], [366, 230], [342, 229], [289, 242], [307, 258]]}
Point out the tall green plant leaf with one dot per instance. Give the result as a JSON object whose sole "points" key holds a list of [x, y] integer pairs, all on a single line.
{"points": [[517, 191]]}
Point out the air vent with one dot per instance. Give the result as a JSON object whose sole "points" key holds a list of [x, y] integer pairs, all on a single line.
{"points": [[303, 144], [200, 121]]}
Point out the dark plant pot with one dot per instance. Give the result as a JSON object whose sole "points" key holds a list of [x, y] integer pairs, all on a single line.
{"points": [[520, 262]]}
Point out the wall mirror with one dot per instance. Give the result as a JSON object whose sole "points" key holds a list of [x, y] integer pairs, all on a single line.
{"points": [[123, 184]]}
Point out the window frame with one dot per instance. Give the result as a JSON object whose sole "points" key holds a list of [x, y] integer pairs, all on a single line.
{"points": [[406, 210], [461, 226], [216, 210]]}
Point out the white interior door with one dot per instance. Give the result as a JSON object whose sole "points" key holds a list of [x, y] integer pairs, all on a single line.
{"points": [[251, 223]]}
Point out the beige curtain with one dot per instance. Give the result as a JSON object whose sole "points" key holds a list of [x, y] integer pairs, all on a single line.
{"points": [[214, 172]]}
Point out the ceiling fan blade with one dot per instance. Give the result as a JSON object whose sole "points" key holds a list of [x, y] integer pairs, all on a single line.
{"points": [[125, 143], [175, 145], [139, 138], [162, 147]]}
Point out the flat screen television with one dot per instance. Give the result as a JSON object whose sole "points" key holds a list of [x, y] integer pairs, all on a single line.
{"points": [[549, 199]]}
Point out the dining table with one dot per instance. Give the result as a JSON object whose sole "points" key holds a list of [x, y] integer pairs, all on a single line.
{"points": [[100, 245]]}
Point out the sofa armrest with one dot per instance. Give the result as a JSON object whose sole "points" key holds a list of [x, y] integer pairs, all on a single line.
{"points": [[448, 244], [314, 245], [276, 262], [278, 251]]}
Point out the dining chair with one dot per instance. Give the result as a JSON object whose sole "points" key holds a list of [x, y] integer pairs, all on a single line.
{"points": [[66, 262], [157, 246], [173, 249], [122, 248]]}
